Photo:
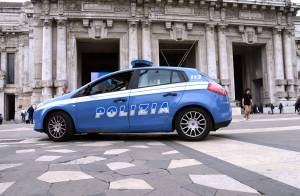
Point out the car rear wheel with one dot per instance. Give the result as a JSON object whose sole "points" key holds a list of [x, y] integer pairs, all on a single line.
{"points": [[59, 126], [193, 124]]}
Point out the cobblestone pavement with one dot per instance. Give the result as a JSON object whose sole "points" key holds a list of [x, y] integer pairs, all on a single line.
{"points": [[256, 157]]}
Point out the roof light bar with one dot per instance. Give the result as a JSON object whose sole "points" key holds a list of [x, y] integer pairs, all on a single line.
{"points": [[141, 63]]}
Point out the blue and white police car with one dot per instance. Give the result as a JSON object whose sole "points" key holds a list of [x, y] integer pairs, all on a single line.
{"points": [[138, 100]]}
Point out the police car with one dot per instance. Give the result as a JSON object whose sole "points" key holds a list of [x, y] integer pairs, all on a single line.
{"points": [[138, 100]]}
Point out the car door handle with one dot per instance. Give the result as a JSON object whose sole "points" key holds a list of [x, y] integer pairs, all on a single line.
{"points": [[120, 100], [170, 94]]}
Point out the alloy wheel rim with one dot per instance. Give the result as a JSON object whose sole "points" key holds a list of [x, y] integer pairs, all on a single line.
{"points": [[57, 126], [193, 124]]}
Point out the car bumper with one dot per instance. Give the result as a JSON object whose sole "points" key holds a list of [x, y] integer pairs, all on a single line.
{"points": [[222, 124], [38, 123]]}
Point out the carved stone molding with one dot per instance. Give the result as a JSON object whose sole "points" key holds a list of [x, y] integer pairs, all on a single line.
{"points": [[98, 29], [279, 18], [178, 31], [109, 23], [60, 7], [86, 22], [97, 6], [211, 12], [280, 82], [290, 82], [249, 35], [37, 84], [222, 28], [61, 22], [47, 83], [291, 94], [47, 22], [132, 23], [189, 26], [210, 27], [46, 7], [281, 94], [133, 8], [60, 83], [168, 25], [277, 30], [289, 32], [225, 82], [223, 14], [146, 23]]}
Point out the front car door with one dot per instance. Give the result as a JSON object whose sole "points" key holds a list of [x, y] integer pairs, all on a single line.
{"points": [[153, 102], [103, 105]]}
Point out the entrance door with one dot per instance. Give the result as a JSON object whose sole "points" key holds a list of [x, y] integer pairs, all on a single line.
{"points": [[9, 107], [248, 71], [97, 58], [177, 53]]}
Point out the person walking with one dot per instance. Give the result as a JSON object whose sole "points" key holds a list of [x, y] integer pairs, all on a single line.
{"points": [[1, 119], [297, 105], [23, 115], [280, 108], [272, 108], [30, 114], [247, 103], [65, 90]]}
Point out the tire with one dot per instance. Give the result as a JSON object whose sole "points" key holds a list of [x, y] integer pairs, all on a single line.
{"points": [[59, 126], [193, 124]]}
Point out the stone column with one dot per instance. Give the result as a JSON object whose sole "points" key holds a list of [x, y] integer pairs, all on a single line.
{"points": [[47, 60], [61, 57], [20, 72], [31, 57], [211, 51], [278, 61], [3, 61], [132, 42], [288, 61], [2, 82], [224, 69], [36, 44], [146, 41]]}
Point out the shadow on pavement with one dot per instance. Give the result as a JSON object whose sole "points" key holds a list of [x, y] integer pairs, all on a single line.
{"points": [[93, 137]]}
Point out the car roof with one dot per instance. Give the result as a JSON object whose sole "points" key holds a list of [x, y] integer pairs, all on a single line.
{"points": [[163, 67]]}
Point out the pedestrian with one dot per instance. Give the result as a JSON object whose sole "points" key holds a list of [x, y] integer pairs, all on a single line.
{"points": [[23, 115], [30, 114], [1, 119], [297, 105], [246, 103], [272, 108], [65, 89], [280, 108]]}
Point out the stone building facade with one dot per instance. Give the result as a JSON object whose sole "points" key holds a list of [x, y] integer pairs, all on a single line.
{"points": [[46, 44]]}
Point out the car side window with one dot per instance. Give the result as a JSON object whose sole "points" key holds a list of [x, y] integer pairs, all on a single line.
{"points": [[157, 77], [118, 82], [149, 78]]}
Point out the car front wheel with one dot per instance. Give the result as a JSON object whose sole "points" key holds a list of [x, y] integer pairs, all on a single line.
{"points": [[193, 124], [59, 126]]}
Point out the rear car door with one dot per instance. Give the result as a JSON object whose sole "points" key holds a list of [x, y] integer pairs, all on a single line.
{"points": [[155, 97], [103, 106]]}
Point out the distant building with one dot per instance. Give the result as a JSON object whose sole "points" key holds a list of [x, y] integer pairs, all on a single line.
{"points": [[240, 43]]}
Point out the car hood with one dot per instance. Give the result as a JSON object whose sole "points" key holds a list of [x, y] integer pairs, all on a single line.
{"points": [[59, 98]]}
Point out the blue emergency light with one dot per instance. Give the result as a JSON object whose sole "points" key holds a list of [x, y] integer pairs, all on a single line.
{"points": [[141, 63]]}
